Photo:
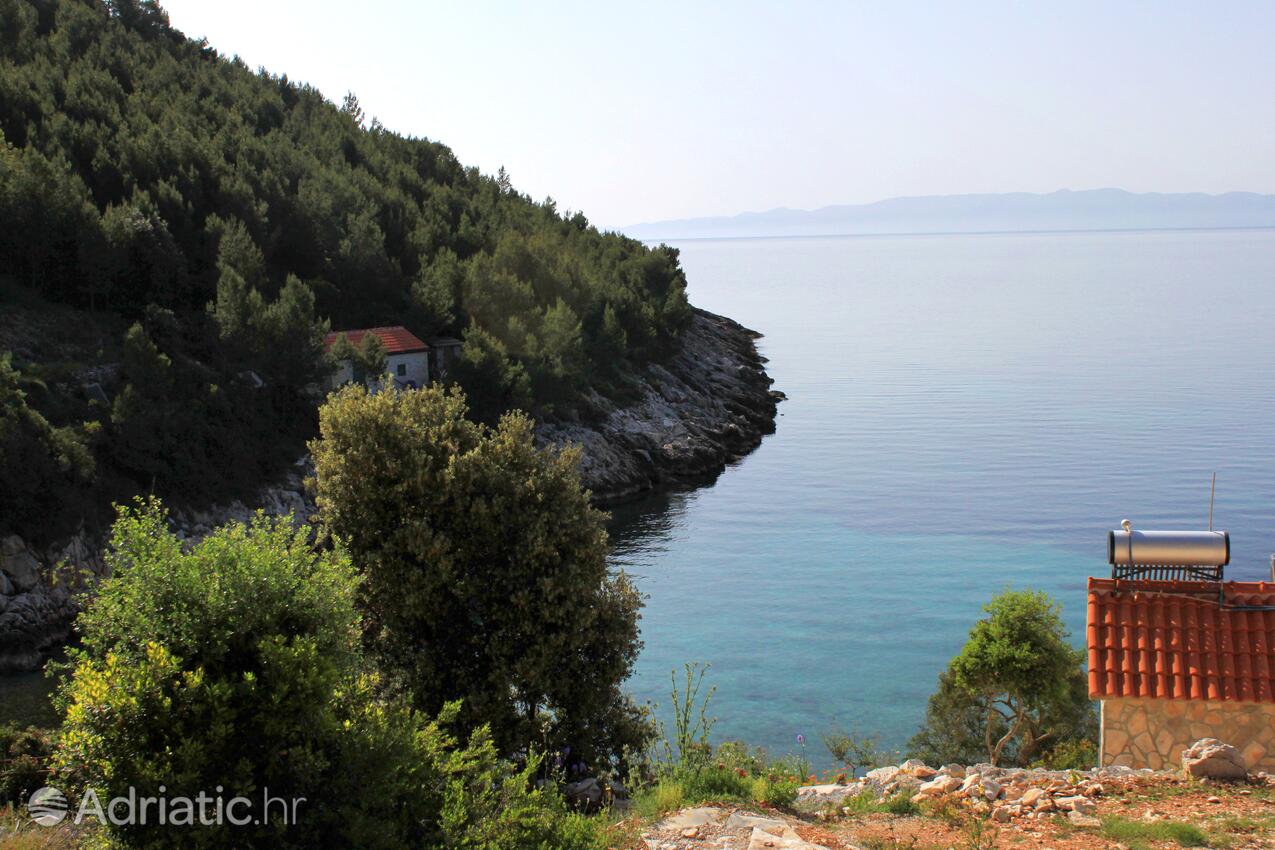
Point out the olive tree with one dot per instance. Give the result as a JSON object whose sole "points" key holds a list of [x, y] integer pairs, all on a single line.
{"points": [[1016, 688], [486, 569]]}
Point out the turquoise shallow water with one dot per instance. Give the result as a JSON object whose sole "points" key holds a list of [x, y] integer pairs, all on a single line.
{"points": [[966, 413]]}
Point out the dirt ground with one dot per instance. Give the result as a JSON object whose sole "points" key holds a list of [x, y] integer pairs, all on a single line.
{"points": [[1135, 814]]}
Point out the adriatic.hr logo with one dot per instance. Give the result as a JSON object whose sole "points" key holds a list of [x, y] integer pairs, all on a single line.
{"points": [[47, 806]]}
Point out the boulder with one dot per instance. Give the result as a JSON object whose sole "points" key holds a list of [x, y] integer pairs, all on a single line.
{"points": [[22, 569], [882, 775], [1076, 804], [939, 786], [690, 817], [1080, 819], [586, 793], [1209, 758], [746, 820], [828, 792], [763, 840], [917, 768], [1030, 797]]}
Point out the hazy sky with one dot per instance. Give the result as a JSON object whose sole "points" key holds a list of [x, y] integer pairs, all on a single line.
{"points": [[640, 111]]}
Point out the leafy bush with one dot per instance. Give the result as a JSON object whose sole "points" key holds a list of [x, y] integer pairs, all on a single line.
{"points": [[486, 570], [236, 664], [855, 751], [1073, 754], [25, 756]]}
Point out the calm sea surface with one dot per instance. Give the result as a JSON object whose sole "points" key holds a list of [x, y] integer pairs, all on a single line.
{"points": [[965, 414]]}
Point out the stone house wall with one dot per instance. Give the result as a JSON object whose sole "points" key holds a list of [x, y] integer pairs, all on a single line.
{"points": [[412, 366], [1142, 732]]}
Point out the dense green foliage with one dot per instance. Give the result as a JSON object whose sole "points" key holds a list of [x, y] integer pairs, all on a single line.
{"points": [[24, 760], [235, 215], [42, 468], [236, 665], [1016, 689], [486, 570]]}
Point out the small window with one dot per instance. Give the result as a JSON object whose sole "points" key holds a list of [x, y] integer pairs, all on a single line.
{"points": [[402, 369]]}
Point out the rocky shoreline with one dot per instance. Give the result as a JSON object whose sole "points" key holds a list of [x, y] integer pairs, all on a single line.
{"points": [[710, 404]]}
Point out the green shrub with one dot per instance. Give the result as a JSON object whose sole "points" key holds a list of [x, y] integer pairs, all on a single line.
{"points": [[235, 663], [867, 802], [1074, 754], [674, 790], [24, 761], [857, 752], [486, 571]]}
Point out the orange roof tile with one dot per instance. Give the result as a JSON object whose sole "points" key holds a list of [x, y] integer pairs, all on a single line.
{"points": [[397, 339], [1172, 640]]}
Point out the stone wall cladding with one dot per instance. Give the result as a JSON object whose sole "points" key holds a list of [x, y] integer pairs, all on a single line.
{"points": [[1152, 733]]}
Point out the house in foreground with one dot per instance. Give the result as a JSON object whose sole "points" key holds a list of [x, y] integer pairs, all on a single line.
{"points": [[411, 361], [1177, 654]]}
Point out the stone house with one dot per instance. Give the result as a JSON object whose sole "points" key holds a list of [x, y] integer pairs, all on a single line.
{"points": [[407, 357], [1174, 661]]}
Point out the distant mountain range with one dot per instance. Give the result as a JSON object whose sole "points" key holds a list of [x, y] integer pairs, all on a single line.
{"points": [[1093, 209]]}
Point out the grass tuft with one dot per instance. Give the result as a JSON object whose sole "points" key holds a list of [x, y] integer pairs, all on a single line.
{"points": [[868, 803], [1136, 834]]}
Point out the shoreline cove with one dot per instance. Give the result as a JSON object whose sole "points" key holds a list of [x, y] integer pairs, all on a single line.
{"points": [[708, 405]]}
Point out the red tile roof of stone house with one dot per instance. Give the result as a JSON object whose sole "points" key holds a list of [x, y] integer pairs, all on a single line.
{"points": [[1172, 640], [396, 339]]}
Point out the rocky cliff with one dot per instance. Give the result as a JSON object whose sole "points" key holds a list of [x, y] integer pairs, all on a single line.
{"points": [[709, 404]]}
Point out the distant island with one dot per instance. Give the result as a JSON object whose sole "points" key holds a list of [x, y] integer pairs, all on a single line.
{"points": [[1093, 209]]}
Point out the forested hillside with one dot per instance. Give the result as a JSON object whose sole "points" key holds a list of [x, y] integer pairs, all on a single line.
{"points": [[174, 221]]}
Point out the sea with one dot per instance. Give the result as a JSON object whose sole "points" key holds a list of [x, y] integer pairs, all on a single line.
{"points": [[965, 414]]}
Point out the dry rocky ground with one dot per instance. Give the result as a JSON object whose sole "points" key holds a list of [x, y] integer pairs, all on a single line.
{"points": [[914, 807]]}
